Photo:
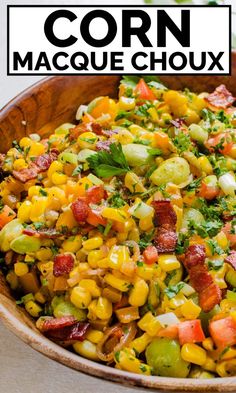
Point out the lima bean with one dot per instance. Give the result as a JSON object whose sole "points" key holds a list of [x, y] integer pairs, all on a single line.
{"points": [[24, 244], [174, 170], [10, 231], [136, 154]]}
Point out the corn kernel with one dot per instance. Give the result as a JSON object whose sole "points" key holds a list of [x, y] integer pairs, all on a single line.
{"points": [[45, 268], [139, 293], [146, 271], [124, 136], [177, 301], [72, 244], [117, 256], [134, 235], [92, 310], [190, 310], [117, 283], [12, 279], [128, 362], [208, 344], [25, 142], [91, 286], [56, 166], [58, 178], [33, 308], [205, 165], [66, 219], [149, 324], [87, 140], [34, 191], [94, 336], [103, 308], [24, 211], [146, 223], [80, 297], [93, 257], [168, 262], [133, 182], [40, 298], [86, 349], [114, 214], [194, 354], [209, 364], [140, 344], [19, 164], [126, 103], [36, 149], [222, 240], [21, 268], [93, 243], [103, 263]]}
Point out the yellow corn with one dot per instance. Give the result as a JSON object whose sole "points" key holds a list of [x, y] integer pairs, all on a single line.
{"points": [[190, 310], [19, 164], [66, 219], [45, 268], [208, 344], [126, 103], [56, 166], [93, 257], [58, 178], [44, 254], [146, 271], [91, 286], [12, 279], [139, 293], [124, 136], [133, 182], [25, 142], [222, 240], [72, 244], [226, 368], [21, 268], [126, 360], [56, 195], [205, 165], [33, 308], [146, 223], [140, 344], [194, 354], [80, 297], [38, 208], [117, 256], [86, 349], [153, 113], [117, 283], [114, 214], [24, 211], [134, 235], [103, 308], [103, 263], [149, 324], [40, 298], [92, 310], [93, 243], [177, 301], [34, 191], [36, 149], [87, 140], [94, 336], [168, 262]]}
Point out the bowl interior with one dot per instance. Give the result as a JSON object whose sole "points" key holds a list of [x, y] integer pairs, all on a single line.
{"points": [[41, 108]]}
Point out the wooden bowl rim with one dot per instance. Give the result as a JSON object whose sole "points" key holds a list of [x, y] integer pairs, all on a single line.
{"points": [[61, 355]]}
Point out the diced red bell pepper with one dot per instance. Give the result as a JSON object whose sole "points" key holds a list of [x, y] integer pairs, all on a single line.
{"points": [[95, 194], [150, 255], [208, 191], [94, 218], [144, 92], [223, 332], [190, 332]]}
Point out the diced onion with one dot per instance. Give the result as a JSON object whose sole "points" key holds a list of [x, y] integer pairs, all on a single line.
{"points": [[227, 184], [80, 112], [168, 319], [187, 290], [95, 180], [141, 210]]}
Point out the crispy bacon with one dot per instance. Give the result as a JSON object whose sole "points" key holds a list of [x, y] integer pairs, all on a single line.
{"points": [[165, 238], [76, 332], [41, 164], [63, 264], [231, 259], [44, 233], [220, 98], [77, 131], [57, 323], [209, 293], [96, 128], [80, 210]]}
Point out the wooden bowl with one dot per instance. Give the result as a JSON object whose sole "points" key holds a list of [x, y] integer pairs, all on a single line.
{"points": [[41, 108]]}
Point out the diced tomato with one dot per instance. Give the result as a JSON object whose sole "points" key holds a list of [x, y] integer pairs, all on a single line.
{"points": [[224, 141], [208, 191], [190, 332], [144, 92], [150, 255], [95, 194], [6, 215], [169, 332], [230, 236], [223, 332], [63, 264], [94, 218]]}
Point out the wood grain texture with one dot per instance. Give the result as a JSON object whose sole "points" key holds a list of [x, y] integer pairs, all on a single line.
{"points": [[40, 109]]}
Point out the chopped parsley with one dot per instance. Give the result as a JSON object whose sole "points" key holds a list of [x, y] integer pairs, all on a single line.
{"points": [[116, 200], [215, 264], [43, 192], [77, 170], [214, 247], [182, 142], [172, 290], [145, 240]]}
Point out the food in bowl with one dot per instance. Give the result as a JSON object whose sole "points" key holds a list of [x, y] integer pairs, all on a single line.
{"points": [[118, 233]]}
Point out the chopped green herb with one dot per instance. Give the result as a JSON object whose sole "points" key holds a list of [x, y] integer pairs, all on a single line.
{"points": [[173, 290]]}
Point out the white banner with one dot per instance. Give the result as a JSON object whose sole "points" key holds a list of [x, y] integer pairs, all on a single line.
{"points": [[44, 40]]}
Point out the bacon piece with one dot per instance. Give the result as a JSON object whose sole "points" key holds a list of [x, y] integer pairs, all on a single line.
{"points": [[220, 98], [209, 297], [195, 255], [77, 131], [103, 145], [96, 128], [80, 210], [47, 233], [57, 323], [95, 194], [164, 213], [63, 264], [231, 259], [165, 238], [209, 293], [41, 164], [76, 332]]}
